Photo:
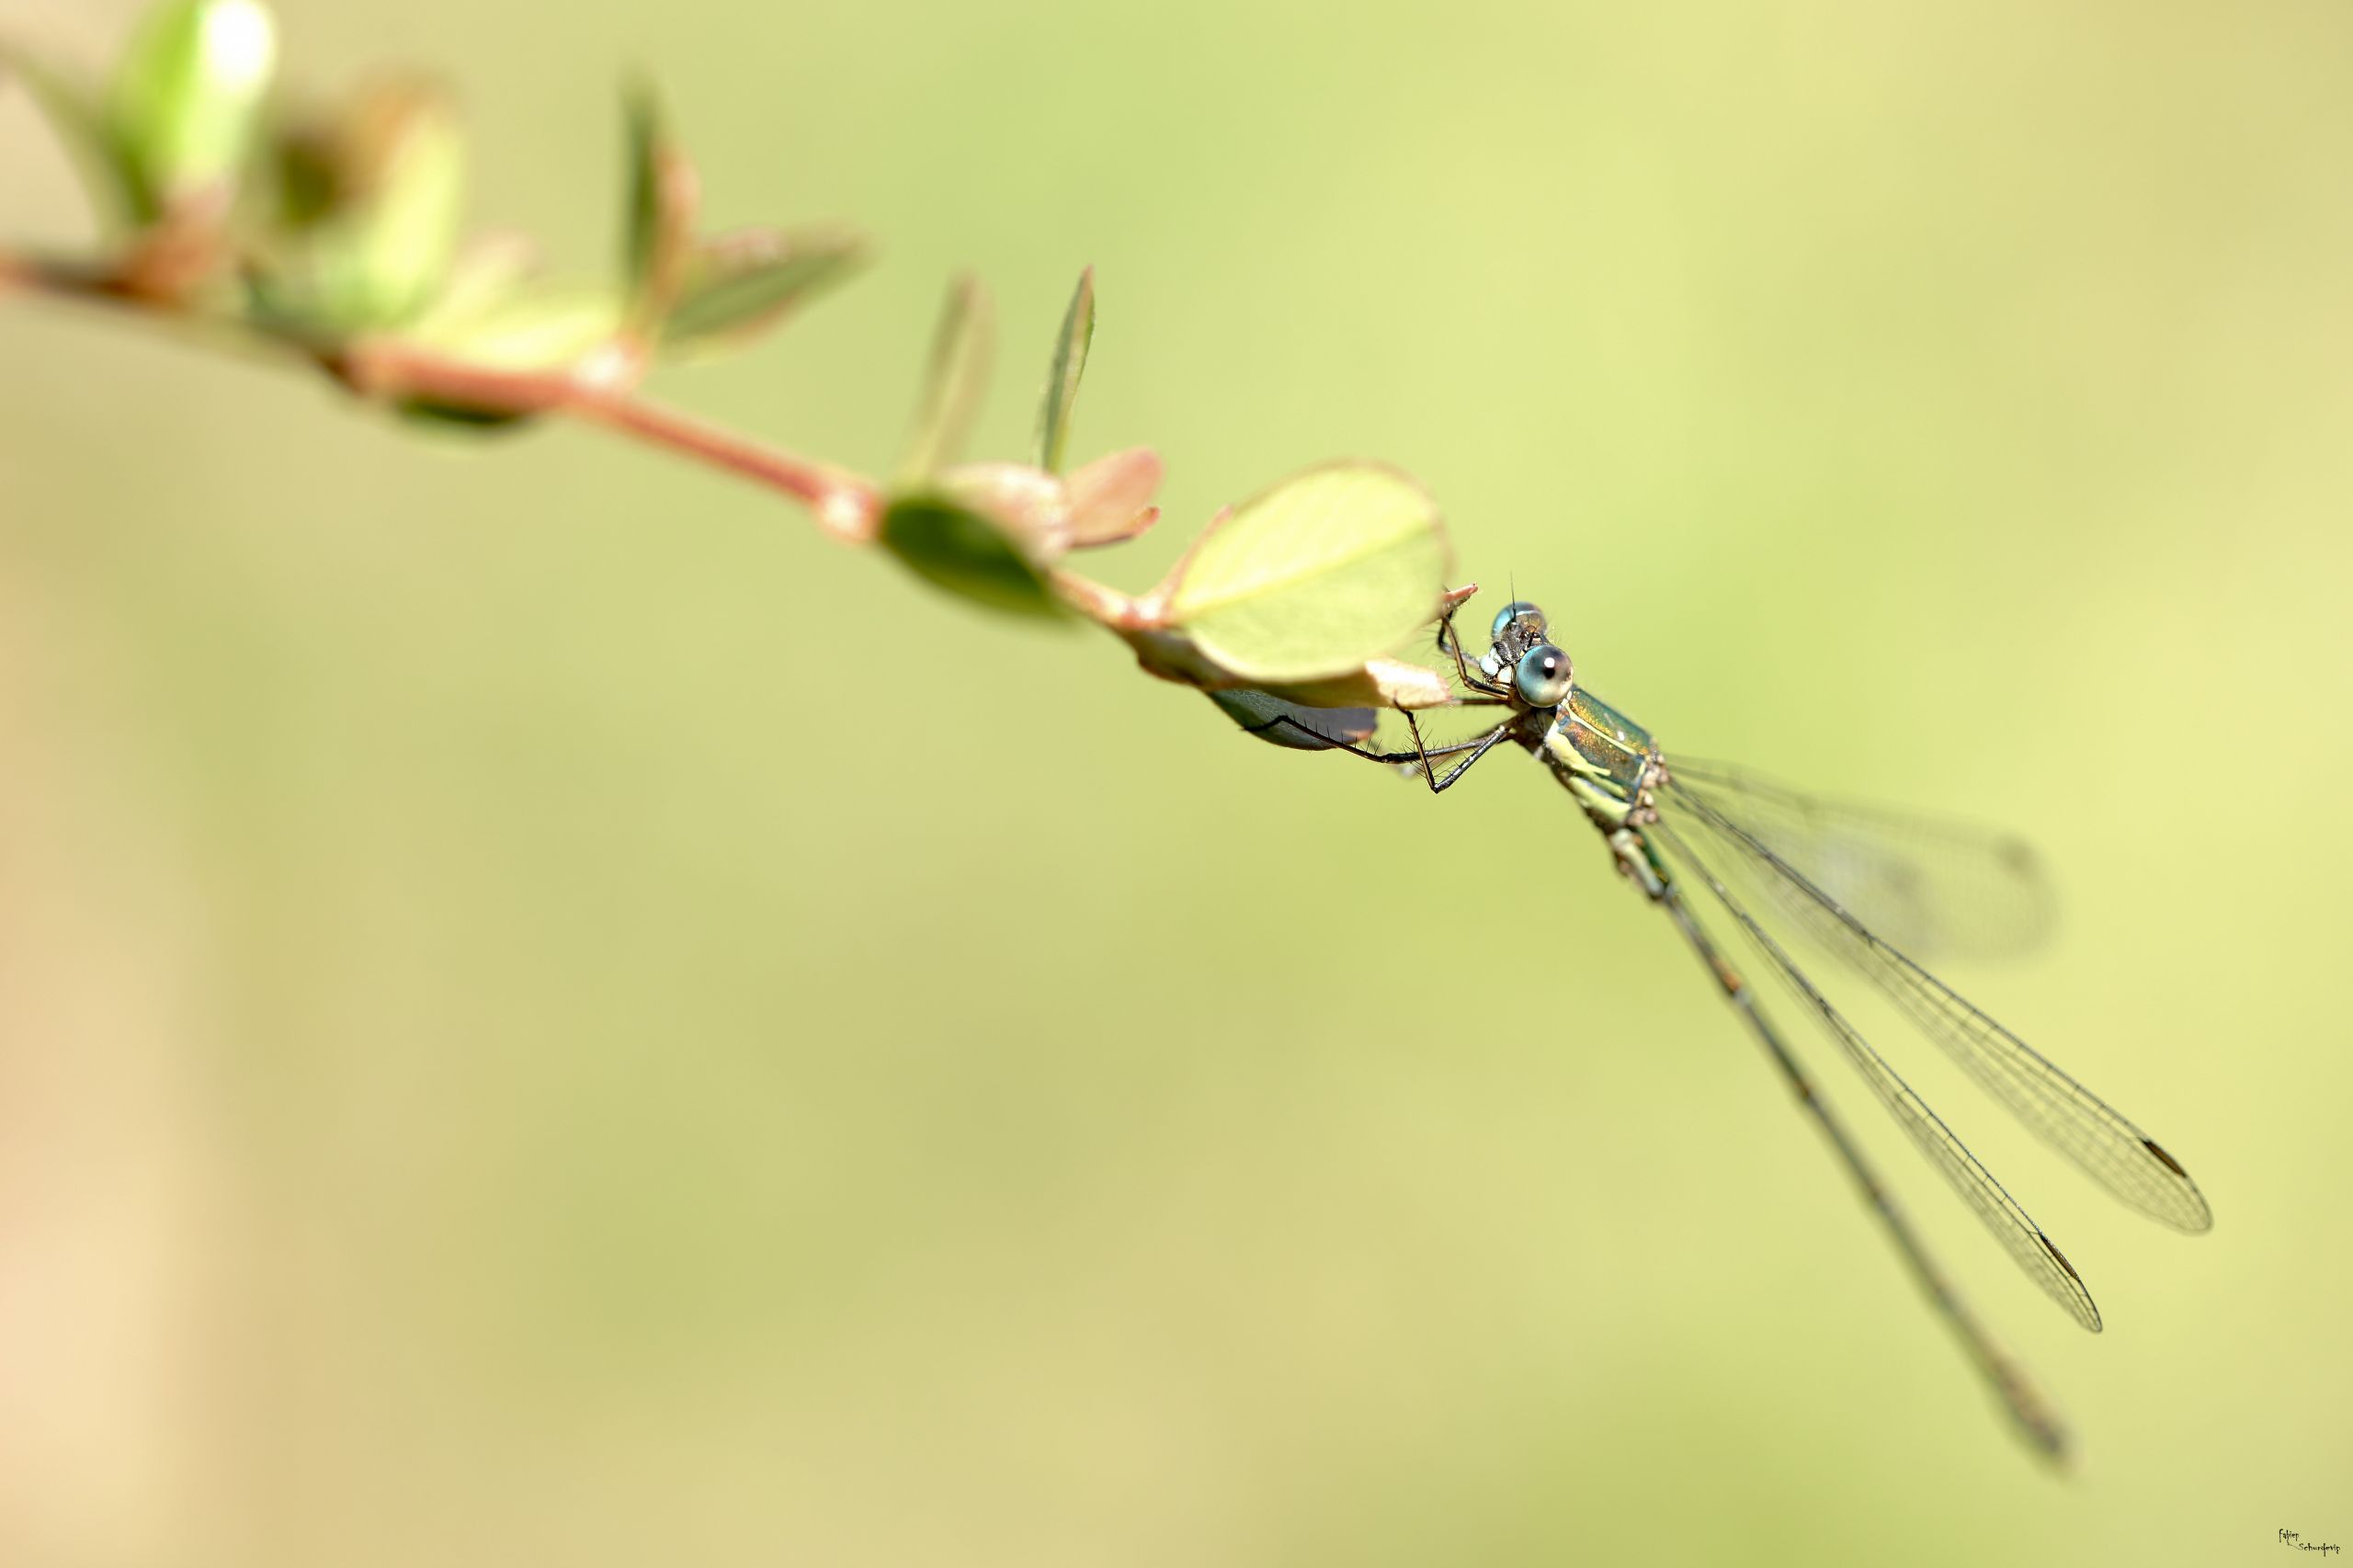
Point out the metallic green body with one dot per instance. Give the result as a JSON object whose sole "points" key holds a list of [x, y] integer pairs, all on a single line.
{"points": [[1609, 762]]}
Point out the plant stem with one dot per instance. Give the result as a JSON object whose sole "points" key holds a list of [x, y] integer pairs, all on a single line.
{"points": [[846, 505], [387, 370]]}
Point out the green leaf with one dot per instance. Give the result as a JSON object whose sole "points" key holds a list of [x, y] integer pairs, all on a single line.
{"points": [[404, 248], [542, 324], [79, 123], [488, 270], [1376, 683], [370, 205], [1061, 375], [953, 381], [642, 222], [663, 195], [187, 97], [546, 324], [460, 417], [740, 285], [1315, 576], [964, 552], [1282, 723], [1029, 506], [1171, 655]]}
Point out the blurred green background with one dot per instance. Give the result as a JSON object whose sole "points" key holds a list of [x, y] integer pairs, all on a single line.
{"points": [[549, 1014]]}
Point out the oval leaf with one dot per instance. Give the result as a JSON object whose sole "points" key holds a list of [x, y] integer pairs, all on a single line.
{"points": [[544, 324], [1173, 656], [489, 269], [549, 324], [1111, 498], [1063, 372], [188, 95], [960, 551], [953, 380], [408, 235], [1028, 507], [1315, 576], [738, 286], [443, 416], [1378, 683], [663, 196], [370, 204]]}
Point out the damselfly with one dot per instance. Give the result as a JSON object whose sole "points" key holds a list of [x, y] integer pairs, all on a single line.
{"points": [[1866, 885]]}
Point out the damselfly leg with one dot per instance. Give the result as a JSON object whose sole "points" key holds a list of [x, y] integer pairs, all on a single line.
{"points": [[1421, 755]]}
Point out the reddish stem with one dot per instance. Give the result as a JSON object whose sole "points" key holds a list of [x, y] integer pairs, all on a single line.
{"points": [[846, 505]]}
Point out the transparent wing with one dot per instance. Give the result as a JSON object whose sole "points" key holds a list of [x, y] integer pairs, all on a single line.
{"points": [[2009, 1381], [1933, 886], [2001, 1213], [2064, 1114]]}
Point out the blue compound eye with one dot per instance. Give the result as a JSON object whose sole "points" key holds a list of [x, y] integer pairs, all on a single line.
{"points": [[1521, 614], [1542, 676]]}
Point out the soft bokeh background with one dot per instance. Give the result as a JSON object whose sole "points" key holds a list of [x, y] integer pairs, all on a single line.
{"points": [[549, 1013]]}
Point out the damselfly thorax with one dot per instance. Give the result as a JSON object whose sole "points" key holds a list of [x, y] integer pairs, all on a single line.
{"points": [[1610, 763]]}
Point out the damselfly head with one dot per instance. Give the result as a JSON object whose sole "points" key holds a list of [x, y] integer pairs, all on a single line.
{"points": [[1519, 627], [1537, 671], [1541, 678]]}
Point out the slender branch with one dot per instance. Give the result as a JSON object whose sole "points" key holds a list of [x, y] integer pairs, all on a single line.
{"points": [[385, 369], [1097, 601], [600, 392], [26, 272], [81, 284], [845, 505]]}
